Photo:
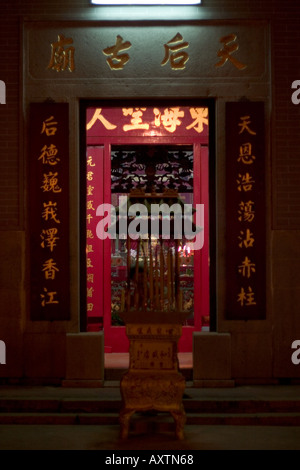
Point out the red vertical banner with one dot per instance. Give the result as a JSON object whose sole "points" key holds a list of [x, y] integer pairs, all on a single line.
{"points": [[245, 211], [94, 246], [48, 175]]}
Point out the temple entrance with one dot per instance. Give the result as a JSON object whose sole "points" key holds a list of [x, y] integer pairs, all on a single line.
{"points": [[153, 165]]}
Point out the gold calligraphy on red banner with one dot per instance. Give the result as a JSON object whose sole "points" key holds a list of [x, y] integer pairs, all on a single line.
{"points": [[147, 121], [245, 211], [49, 218], [94, 282]]}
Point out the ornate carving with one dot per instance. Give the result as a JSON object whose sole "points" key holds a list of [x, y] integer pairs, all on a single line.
{"points": [[152, 167]]}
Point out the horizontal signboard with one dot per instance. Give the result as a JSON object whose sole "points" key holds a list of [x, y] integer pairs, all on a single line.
{"points": [[96, 52]]}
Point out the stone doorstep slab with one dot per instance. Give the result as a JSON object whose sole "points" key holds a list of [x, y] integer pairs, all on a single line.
{"points": [[190, 403], [160, 423], [60, 406]]}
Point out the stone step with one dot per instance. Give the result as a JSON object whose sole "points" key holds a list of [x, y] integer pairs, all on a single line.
{"points": [[59, 418], [159, 421], [113, 405], [13, 405], [241, 406]]}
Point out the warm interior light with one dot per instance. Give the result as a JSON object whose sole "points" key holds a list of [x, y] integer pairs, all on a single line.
{"points": [[146, 2]]}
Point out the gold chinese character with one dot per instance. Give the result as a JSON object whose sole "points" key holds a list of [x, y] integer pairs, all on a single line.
{"points": [[247, 240], [49, 126], [174, 53], [49, 155], [90, 291], [227, 50], [247, 267], [89, 234], [49, 238], [117, 61], [62, 58], [50, 268], [50, 211], [246, 298], [170, 119], [136, 120], [90, 190], [48, 298], [245, 182], [244, 125], [50, 183], [90, 277], [89, 175], [89, 161], [246, 212], [89, 205], [97, 116], [245, 155], [201, 117]]}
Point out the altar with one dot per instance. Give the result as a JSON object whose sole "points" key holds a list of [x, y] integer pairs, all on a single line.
{"points": [[153, 381], [154, 308]]}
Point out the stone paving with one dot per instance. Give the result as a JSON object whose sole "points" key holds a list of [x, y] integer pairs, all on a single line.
{"points": [[148, 435]]}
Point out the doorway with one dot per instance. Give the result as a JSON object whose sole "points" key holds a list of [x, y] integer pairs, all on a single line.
{"points": [[152, 159]]}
